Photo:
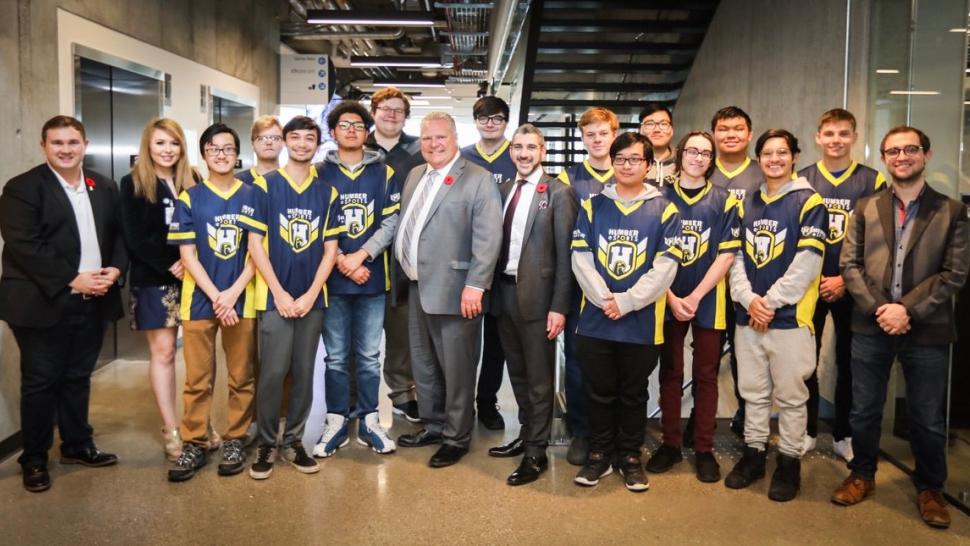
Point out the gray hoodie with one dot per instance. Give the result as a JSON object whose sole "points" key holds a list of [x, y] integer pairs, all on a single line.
{"points": [[649, 288], [804, 269]]}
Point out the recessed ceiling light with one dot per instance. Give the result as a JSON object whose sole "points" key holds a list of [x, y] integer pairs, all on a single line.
{"points": [[887, 71], [914, 92], [369, 18]]}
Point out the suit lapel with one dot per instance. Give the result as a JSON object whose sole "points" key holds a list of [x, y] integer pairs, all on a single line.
{"points": [[53, 187], [97, 208], [455, 173], [926, 210], [885, 205], [537, 199], [408, 190]]}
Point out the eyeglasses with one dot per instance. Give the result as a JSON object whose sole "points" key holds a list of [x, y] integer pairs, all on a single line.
{"points": [[634, 161], [782, 153], [694, 153], [910, 151], [387, 110], [651, 125], [216, 152], [497, 119], [347, 125], [268, 139]]}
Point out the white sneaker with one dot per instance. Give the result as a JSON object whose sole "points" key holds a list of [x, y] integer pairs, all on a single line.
{"points": [[370, 433], [335, 436], [843, 448], [809, 445]]}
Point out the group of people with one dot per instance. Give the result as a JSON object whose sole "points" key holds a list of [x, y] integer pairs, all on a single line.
{"points": [[470, 260]]}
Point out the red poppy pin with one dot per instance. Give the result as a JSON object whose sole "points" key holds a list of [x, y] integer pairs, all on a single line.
{"points": [[449, 180], [541, 188], [90, 182]]}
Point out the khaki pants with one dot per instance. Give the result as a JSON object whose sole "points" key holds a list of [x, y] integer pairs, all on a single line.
{"points": [[239, 345]]}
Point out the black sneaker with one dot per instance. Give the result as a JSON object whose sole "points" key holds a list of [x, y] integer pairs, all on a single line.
{"points": [[634, 478], [597, 466], [737, 422], [297, 456], [664, 459], [688, 437], [193, 458], [408, 410], [751, 467], [263, 466], [786, 480], [490, 418], [708, 471], [233, 458]]}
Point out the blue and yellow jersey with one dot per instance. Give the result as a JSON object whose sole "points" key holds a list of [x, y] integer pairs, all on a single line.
{"points": [[248, 175], [365, 197], [709, 227], [775, 229], [499, 162], [840, 194], [208, 218], [585, 180], [295, 219], [625, 241], [742, 182]]}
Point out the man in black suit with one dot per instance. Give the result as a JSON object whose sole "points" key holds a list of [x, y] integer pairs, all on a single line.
{"points": [[62, 257], [532, 295]]}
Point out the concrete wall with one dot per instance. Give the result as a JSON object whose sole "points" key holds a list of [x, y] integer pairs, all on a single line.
{"points": [[783, 62], [237, 39]]}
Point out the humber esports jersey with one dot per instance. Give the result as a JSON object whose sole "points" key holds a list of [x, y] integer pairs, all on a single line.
{"points": [[294, 219], [840, 195], [625, 241], [584, 179], [364, 198], [709, 227], [775, 229], [743, 181], [208, 218], [498, 163]]}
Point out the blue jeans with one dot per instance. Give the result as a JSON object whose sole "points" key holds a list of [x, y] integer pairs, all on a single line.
{"points": [[353, 321], [925, 368], [575, 393]]}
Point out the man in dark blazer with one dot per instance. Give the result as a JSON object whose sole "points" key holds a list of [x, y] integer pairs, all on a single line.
{"points": [[62, 257], [447, 245], [906, 255], [532, 295]]}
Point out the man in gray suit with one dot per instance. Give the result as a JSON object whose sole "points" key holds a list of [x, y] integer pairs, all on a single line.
{"points": [[447, 244], [532, 295]]}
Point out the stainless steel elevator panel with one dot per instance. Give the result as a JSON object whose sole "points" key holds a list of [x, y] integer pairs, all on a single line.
{"points": [[239, 117]]}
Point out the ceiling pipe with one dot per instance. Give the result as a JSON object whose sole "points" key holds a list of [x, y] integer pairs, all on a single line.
{"points": [[499, 34], [344, 35]]}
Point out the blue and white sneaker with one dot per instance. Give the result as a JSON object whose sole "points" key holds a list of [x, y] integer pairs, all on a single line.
{"points": [[335, 436], [371, 433]]}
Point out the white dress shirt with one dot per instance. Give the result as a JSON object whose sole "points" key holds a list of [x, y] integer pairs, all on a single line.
{"points": [[422, 217], [84, 216], [517, 235]]}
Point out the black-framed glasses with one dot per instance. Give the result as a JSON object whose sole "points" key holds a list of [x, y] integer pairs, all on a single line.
{"points": [[651, 125], [694, 153], [268, 139], [910, 151], [496, 119], [216, 152], [347, 125], [634, 161]]}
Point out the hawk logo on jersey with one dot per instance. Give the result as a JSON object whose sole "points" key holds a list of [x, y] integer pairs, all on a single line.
{"points": [[358, 218], [299, 233], [838, 219], [224, 239], [497, 177], [621, 257], [693, 245], [764, 246]]}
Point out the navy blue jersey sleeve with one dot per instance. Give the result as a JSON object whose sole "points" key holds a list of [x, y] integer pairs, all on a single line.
{"points": [[729, 231], [254, 215], [813, 222], [182, 230]]}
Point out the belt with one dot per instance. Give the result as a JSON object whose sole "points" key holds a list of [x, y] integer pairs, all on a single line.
{"points": [[510, 279]]}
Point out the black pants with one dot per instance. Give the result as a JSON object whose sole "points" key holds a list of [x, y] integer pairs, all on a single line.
{"points": [[842, 321], [615, 375], [55, 383], [493, 364]]}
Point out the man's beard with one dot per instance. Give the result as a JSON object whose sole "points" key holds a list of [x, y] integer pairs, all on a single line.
{"points": [[911, 179]]}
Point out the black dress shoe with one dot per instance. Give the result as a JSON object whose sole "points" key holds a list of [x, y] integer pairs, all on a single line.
{"points": [[418, 439], [36, 478], [491, 418], [529, 470], [92, 457], [447, 455], [511, 449]]}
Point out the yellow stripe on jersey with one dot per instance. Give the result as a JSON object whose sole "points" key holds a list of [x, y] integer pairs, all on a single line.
{"points": [[833, 180], [185, 303], [302, 186], [668, 212], [628, 209], [262, 289], [351, 175], [184, 197], [602, 178], [720, 304], [181, 235], [880, 181], [390, 173], [261, 183], [391, 209], [579, 243], [814, 201], [334, 194], [659, 310], [253, 223], [735, 172], [564, 177], [814, 243], [493, 156], [805, 308], [587, 205], [732, 201], [723, 245]]}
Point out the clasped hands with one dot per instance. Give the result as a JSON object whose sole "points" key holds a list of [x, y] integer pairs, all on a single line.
{"points": [[893, 318], [96, 282], [352, 266]]}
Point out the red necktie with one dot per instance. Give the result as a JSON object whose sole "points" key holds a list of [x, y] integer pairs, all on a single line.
{"points": [[503, 259]]}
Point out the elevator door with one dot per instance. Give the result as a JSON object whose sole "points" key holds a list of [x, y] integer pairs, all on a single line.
{"points": [[239, 117], [115, 104]]}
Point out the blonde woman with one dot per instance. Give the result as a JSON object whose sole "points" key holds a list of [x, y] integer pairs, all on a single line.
{"points": [[148, 197]]}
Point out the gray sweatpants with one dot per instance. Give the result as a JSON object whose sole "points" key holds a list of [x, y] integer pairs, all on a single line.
{"points": [[286, 346], [775, 364]]}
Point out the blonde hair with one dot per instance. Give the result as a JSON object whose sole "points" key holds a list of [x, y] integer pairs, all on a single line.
{"points": [[263, 123], [597, 115], [143, 173]]}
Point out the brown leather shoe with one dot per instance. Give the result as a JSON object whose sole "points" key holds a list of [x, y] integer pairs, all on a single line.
{"points": [[853, 490], [932, 508]]}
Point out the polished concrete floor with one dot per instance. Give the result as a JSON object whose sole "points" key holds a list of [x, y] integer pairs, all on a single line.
{"points": [[360, 497]]}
